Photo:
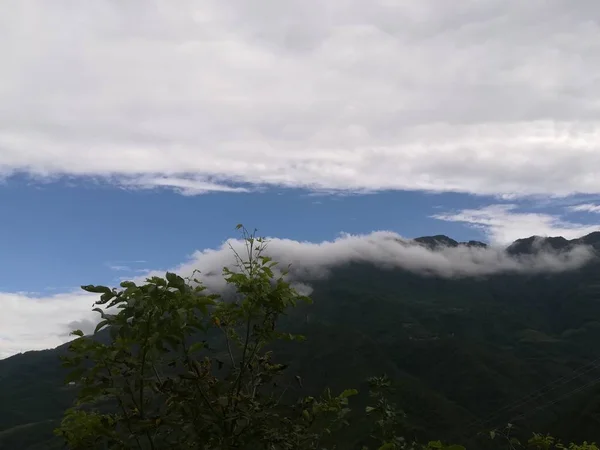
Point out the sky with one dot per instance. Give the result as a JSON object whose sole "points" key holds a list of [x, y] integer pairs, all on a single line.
{"points": [[135, 135]]}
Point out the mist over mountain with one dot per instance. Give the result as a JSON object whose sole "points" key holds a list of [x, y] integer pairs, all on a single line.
{"points": [[468, 330], [439, 256], [44, 321]]}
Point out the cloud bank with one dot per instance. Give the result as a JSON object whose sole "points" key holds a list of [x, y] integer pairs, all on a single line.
{"points": [[310, 261], [495, 97]]}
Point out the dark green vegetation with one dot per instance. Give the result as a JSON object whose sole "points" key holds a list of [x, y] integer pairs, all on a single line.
{"points": [[465, 355]]}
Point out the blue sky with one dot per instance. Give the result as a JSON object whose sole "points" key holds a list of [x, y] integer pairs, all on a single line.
{"points": [[135, 135], [56, 235]]}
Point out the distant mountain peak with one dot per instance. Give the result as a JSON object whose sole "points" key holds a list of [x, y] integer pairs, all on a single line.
{"points": [[528, 245], [437, 241], [557, 243], [440, 240], [589, 239], [476, 244], [536, 240]]}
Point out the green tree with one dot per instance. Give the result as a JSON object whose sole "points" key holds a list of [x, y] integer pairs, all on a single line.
{"points": [[160, 383]]}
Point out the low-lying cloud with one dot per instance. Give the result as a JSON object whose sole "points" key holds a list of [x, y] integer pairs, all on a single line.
{"points": [[31, 322], [386, 249]]}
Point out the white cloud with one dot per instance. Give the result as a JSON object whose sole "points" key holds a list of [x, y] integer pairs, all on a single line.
{"points": [[383, 248], [495, 97], [586, 207], [119, 268], [182, 185], [32, 322], [503, 224]]}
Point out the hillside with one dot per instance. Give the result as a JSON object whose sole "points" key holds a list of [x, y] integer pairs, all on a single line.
{"points": [[465, 352]]}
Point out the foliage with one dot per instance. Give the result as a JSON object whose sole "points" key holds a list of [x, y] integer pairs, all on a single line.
{"points": [[547, 442], [537, 441], [173, 392]]}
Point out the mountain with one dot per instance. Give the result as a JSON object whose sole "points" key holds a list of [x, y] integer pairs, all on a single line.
{"points": [[534, 243], [467, 353], [440, 240]]}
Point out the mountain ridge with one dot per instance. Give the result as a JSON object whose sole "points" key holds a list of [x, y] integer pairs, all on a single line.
{"points": [[529, 244], [463, 347]]}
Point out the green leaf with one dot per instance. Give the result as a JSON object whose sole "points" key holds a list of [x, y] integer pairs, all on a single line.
{"points": [[175, 281], [107, 296], [492, 434], [387, 446], [197, 346], [100, 311], [238, 226], [75, 375], [171, 277], [96, 289], [188, 376], [101, 325], [157, 281], [77, 333], [205, 301], [348, 393]]}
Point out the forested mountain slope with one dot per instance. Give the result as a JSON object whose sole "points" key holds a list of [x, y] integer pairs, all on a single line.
{"points": [[466, 353]]}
